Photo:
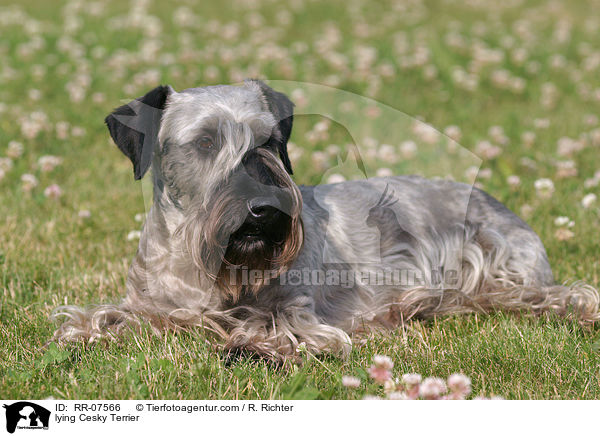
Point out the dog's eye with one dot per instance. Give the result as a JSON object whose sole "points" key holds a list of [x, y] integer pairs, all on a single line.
{"points": [[204, 142]]}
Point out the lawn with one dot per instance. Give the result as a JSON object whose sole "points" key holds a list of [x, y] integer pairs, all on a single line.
{"points": [[516, 83]]}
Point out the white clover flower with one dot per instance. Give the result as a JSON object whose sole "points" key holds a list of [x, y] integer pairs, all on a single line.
{"points": [[453, 132], [384, 172], [408, 149], [383, 361], [426, 133], [299, 97], [321, 126], [350, 381], [459, 384], [370, 142], [387, 153], [497, 134], [53, 191], [561, 221], [485, 173], [528, 138], [513, 181], [588, 183], [588, 200], [396, 395], [412, 379], [526, 211], [566, 169], [333, 150], [15, 149], [487, 151], [48, 163], [62, 129], [336, 178], [389, 386], [528, 163], [34, 94], [320, 160], [517, 84], [563, 234], [84, 214], [29, 182], [380, 370], [471, 173], [77, 131], [432, 388], [544, 188], [134, 234], [6, 164], [568, 146]]}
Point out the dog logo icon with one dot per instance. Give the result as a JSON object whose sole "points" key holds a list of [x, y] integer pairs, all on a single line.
{"points": [[26, 415]]}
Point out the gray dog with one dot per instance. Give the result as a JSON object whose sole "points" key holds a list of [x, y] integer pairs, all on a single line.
{"points": [[232, 245]]}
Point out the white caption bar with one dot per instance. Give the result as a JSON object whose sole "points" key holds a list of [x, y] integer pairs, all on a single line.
{"points": [[295, 417]]}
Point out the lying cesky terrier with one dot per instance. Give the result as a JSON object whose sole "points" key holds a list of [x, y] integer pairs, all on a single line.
{"points": [[233, 245]]}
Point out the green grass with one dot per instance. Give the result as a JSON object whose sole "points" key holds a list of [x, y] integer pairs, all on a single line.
{"points": [[49, 256]]}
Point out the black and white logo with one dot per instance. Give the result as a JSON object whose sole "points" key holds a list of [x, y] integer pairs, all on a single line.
{"points": [[26, 415]]}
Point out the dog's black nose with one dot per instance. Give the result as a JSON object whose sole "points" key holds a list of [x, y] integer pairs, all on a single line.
{"points": [[263, 209]]}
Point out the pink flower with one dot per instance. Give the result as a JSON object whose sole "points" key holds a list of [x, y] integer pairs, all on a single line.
{"points": [[563, 234], [380, 371], [48, 163], [460, 386], [383, 361], [29, 182], [53, 191], [513, 181], [411, 379], [389, 386], [350, 382], [432, 388], [398, 396], [380, 375], [453, 132], [14, 150], [412, 383]]}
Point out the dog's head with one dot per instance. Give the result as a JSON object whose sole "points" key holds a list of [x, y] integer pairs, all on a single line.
{"points": [[219, 158]]}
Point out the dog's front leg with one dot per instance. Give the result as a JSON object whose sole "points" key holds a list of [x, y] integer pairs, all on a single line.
{"points": [[278, 334]]}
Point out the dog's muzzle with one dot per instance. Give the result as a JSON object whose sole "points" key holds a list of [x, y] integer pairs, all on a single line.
{"points": [[265, 220]]}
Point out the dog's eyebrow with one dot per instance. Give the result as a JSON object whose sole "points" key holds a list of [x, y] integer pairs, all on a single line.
{"points": [[211, 126], [211, 132]]}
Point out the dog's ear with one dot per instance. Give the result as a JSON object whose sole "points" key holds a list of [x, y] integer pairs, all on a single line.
{"points": [[283, 110], [134, 127]]}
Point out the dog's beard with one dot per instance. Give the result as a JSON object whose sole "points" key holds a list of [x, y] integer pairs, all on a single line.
{"points": [[252, 262], [221, 249]]}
